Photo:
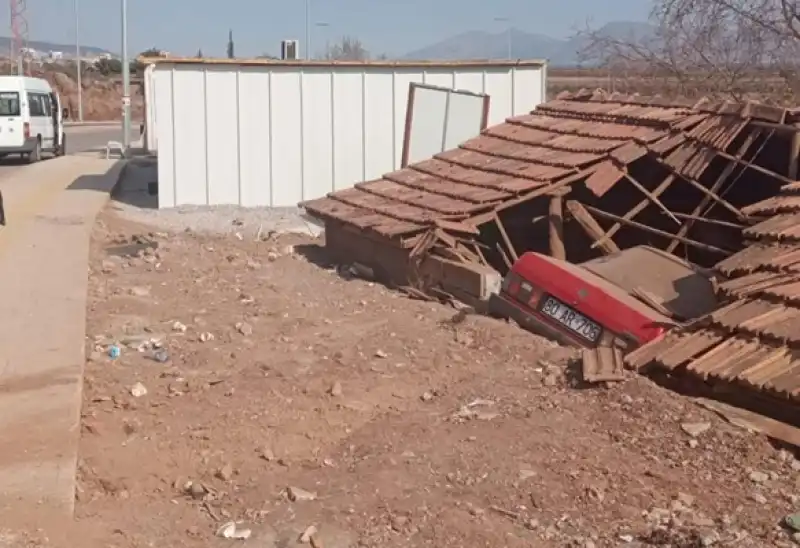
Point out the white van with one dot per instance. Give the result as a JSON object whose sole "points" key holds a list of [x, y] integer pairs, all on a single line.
{"points": [[31, 120]]}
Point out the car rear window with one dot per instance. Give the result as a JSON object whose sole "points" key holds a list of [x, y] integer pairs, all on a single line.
{"points": [[9, 103]]}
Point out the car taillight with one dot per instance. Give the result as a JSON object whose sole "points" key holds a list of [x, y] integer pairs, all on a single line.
{"points": [[511, 284], [26, 130]]}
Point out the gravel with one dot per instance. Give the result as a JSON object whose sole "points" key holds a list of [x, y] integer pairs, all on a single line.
{"points": [[134, 203]]}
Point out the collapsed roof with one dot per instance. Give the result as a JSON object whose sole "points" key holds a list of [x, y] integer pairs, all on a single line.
{"points": [[630, 171], [753, 341]]}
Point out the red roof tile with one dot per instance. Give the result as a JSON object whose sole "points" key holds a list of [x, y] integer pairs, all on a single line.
{"points": [[585, 133]]}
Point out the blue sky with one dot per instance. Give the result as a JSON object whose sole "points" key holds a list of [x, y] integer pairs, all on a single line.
{"points": [[384, 26]]}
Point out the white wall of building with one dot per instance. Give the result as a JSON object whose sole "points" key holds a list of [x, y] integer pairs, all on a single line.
{"points": [[279, 133]]}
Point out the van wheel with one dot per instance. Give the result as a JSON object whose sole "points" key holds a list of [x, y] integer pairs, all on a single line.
{"points": [[36, 154], [62, 147]]}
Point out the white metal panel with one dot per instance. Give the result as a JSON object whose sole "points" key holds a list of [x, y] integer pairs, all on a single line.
{"points": [[426, 132], [380, 138], [318, 135], [464, 118], [151, 141], [348, 128], [255, 136], [223, 178], [274, 135], [287, 130], [165, 135], [442, 119]]}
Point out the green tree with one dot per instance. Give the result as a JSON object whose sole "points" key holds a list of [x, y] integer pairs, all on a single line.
{"points": [[230, 45], [347, 49]]}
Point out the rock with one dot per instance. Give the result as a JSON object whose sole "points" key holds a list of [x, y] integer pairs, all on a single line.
{"points": [[267, 454], [381, 354], [399, 523], [526, 474], [139, 291], [550, 380], [709, 538], [272, 256], [195, 490], [336, 389], [296, 494], [107, 266], [532, 524], [796, 537], [693, 443], [308, 534], [795, 465], [244, 328], [758, 477], [225, 473], [758, 498], [426, 396], [232, 530], [685, 499], [138, 390], [694, 429], [205, 337], [179, 327]]}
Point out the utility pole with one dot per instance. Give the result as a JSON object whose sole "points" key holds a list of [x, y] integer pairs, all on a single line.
{"points": [[308, 29], [126, 81], [78, 60]]}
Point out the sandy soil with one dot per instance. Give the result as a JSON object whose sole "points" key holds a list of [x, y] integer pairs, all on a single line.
{"points": [[293, 396]]}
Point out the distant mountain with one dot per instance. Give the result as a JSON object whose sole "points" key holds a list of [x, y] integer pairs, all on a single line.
{"points": [[39, 45], [524, 45]]}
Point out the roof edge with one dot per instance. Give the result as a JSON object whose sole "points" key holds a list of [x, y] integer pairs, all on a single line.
{"points": [[327, 64]]}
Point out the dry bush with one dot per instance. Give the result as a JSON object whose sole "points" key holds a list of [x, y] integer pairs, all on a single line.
{"points": [[733, 49]]}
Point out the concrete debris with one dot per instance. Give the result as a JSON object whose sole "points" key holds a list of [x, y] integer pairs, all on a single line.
{"points": [[307, 535], [695, 429], [295, 494], [138, 390], [232, 530]]}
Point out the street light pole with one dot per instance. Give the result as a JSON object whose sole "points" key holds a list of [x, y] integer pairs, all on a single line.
{"points": [[308, 29], [78, 60], [126, 80]]}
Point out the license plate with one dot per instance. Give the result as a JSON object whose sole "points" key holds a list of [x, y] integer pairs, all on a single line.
{"points": [[569, 318]]}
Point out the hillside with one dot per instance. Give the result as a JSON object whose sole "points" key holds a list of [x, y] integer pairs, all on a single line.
{"points": [[524, 45], [44, 46]]}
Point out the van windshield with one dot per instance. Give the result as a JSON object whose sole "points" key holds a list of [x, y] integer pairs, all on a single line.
{"points": [[9, 103]]}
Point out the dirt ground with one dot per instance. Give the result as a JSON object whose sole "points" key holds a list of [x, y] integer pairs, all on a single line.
{"points": [[292, 396]]}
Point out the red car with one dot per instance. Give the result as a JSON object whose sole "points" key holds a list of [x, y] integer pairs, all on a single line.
{"points": [[593, 304]]}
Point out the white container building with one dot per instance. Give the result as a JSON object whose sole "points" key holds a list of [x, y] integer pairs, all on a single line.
{"points": [[274, 133]]}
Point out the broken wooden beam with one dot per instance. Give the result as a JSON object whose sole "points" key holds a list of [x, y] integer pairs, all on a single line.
{"points": [[638, 208], [591, 226], [794, 153], [556, 228], [656, 231], [506, 240], [721, 179]]}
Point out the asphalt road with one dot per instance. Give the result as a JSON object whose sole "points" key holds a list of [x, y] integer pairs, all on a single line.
{"points": [[79, 139]]}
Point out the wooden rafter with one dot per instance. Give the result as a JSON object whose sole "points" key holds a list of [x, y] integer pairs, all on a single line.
{"points": [[506, 240], [557, 249], [656, 231], [650, 196], [699, 186], [591, 226], [723, 177], [638, 208]]}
